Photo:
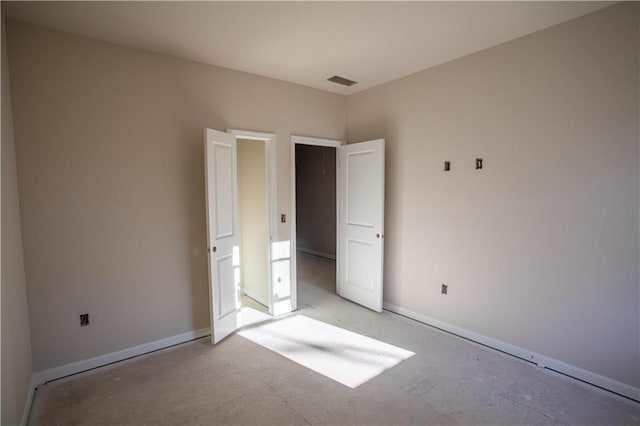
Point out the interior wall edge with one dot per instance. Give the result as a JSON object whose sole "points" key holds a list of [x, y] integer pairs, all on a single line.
{"points": [[541, 360], [255, 296], [44, 376], [29, 401], [16, 347], [317, 253]]}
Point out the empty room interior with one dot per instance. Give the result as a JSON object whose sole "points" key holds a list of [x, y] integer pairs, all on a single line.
{"points": [[320, 213]]}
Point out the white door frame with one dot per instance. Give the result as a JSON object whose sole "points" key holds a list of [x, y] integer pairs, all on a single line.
{"points": [[270, 158], [303, 140]]}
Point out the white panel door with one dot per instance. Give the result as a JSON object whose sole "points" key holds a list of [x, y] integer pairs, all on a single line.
{"points": [[361, 222], [222, 232]]}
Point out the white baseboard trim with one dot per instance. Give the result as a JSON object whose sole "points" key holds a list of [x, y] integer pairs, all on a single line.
{"points": [[79, 366], [28, 402], [541, 360], [317, 253], [255, 297]]}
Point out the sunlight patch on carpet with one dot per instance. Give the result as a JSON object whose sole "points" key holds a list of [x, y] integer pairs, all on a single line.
{"points": [[346, 357], [249, 316]]}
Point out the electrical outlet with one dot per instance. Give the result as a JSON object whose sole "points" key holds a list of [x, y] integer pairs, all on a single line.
{"points": [[445, 288], [84, 320], [283, 218], [478, 163], [447, 166]]}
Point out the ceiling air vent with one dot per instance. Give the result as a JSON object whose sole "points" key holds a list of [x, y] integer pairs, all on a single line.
{"points": [[341, 80]]}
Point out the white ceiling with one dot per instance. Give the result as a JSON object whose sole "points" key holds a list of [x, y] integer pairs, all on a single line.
{"points": [[306, 42]]}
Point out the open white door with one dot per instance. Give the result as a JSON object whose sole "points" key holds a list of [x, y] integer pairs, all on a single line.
{"points": [[222, 232], [360, 245]]}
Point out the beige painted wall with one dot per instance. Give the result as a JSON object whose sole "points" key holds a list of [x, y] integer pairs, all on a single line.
{"points": [[110, 167], [316, 198], [540, 249], [253, 205], [15, 341]]}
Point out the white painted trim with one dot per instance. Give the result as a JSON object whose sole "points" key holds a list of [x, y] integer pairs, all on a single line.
{"points": [[101, 360], [248, 134], [539, 359], [317, 253], [255, 297], [270, 143], [293, 279], [304, 140], [29, 401]]}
